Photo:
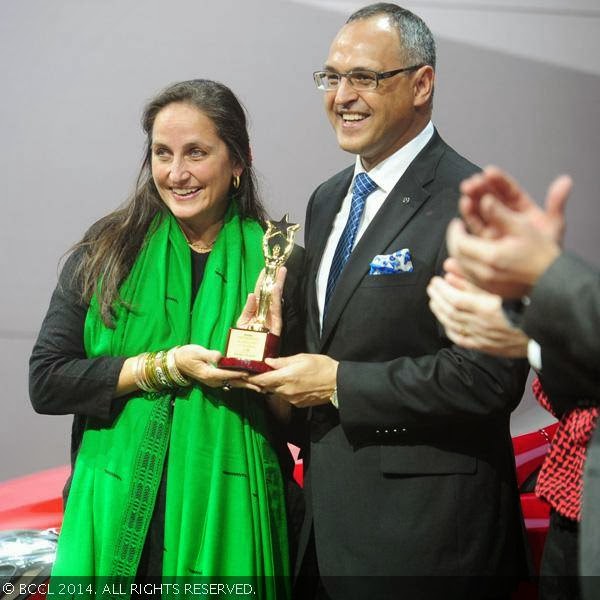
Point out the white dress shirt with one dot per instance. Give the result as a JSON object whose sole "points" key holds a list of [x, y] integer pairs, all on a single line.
{"points": [[386, 175]]}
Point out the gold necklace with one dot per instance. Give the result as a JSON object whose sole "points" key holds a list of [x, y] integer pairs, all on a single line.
{"points": [[198, 247]]}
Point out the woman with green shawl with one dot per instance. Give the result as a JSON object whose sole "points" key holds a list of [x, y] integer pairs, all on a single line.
{"points": [[176, 469]]}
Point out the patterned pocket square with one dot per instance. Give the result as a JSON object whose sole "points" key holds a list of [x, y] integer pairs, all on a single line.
{"points": [[389, 264]]}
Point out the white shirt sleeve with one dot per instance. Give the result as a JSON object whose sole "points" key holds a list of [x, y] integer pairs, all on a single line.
{"points": [[534, 355]]}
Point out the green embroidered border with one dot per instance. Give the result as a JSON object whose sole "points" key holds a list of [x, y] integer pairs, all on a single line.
{"points": [[142, 493]]}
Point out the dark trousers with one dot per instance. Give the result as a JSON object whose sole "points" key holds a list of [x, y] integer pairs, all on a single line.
{"points": [[309, 585], [559, 569]]}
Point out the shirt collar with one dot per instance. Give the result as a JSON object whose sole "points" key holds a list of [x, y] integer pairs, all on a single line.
{"points": [[387, 173]]}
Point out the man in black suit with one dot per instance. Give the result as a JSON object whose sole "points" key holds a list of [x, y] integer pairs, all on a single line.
{"points": [[410, 470], [511, 248]]}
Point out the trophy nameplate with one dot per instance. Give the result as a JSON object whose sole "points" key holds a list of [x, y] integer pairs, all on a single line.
{"points": [[248, 347]]}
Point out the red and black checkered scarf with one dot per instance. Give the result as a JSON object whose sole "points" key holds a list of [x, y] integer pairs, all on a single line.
{"points": [[560, 481]]}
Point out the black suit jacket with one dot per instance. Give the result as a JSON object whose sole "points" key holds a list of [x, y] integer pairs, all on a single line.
{"points": [[564, 318], [415, 473]]}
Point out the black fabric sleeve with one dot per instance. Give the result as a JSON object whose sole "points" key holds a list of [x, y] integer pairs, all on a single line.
{"points": [[61, 379], [564, 318], [563, 315], [567, 385]]}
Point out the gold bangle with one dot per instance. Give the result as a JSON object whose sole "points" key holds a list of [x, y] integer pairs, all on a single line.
{"points": [[150, 372], [171, 383], [164, 381], [140, 373], [156, 371], [173, 370]]}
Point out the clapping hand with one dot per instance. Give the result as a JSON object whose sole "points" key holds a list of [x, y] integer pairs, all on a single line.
{"points": [[506, 240]]}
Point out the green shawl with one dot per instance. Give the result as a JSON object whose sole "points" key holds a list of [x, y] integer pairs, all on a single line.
{"points": [[225, 511]]}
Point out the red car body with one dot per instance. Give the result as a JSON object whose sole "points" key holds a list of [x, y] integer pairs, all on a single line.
{"points": [[34, 502], [530, 451]]}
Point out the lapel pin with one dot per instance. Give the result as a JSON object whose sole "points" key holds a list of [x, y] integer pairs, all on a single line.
{"points": [[406, 200]]}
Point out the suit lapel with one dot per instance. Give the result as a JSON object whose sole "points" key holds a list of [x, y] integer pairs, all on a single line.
{"points": [[332, 202], [393, 216], [330, 198]]}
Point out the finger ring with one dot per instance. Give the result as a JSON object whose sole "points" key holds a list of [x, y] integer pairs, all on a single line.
{"points": [[226, 386], [463, 331]]}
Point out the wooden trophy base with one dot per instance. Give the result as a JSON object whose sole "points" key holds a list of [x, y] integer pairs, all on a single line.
{"points": [[247, 350]]}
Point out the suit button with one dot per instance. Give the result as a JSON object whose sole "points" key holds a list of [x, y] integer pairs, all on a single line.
{"points": [[385, 431], [377, 431], [404, 430], [395, 431]]}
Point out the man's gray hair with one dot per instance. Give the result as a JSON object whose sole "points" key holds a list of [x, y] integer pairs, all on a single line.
{"points": [[416, 38]]}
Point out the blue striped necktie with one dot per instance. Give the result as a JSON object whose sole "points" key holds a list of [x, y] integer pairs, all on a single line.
{"points": [[363, 186]]}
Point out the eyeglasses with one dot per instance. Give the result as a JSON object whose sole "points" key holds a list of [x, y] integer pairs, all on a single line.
{"points": [[359, 80]]}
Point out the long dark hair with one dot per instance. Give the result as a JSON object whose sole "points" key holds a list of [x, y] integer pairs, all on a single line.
{"points": [[110, 246]]}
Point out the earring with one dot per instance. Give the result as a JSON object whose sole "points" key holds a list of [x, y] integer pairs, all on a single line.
{"points": [[236, 181]]}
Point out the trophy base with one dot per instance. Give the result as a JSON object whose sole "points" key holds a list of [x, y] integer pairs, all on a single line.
{"points": [[246, 350], [240, 364]]}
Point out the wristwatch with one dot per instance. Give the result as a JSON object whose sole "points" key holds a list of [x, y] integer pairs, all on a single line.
{"points": [[334, 398]]}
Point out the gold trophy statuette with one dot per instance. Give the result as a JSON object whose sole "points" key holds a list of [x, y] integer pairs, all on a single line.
{"points": [[247, 348]]}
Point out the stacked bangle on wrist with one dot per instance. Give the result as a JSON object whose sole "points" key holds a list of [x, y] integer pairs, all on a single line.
{"points": [[172, 369], [157, 371]]}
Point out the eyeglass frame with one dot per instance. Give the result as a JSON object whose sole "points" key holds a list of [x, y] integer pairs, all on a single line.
{"points": [[378, 75]]}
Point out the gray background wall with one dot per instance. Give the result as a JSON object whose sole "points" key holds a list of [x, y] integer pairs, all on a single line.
{"points": [[518, 85]]}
